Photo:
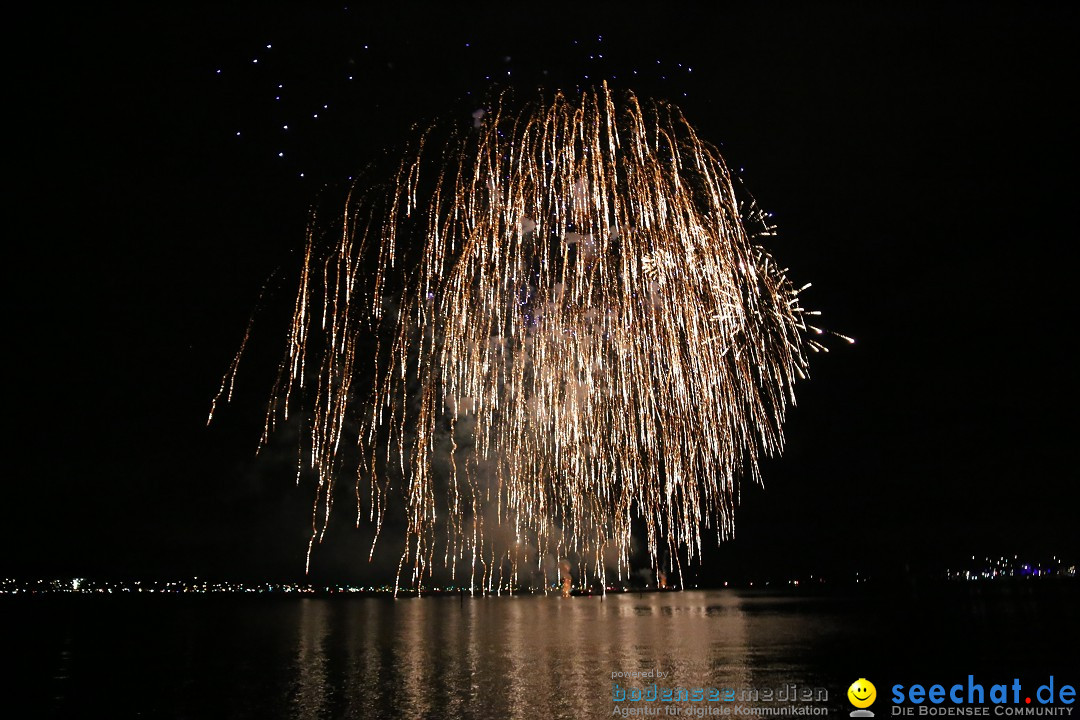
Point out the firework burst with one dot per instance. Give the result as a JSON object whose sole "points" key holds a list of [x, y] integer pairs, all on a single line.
{"points": [[553, 326]]}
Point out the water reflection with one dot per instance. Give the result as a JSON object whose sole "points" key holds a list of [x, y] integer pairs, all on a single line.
{"points": [[518, 657], [312, 690], [278, 657]]}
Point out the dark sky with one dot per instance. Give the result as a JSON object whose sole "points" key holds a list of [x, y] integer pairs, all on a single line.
{"points": [[920, 165]]}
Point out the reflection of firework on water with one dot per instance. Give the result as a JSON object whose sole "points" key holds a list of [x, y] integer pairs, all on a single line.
{"points": [[570, 327]]}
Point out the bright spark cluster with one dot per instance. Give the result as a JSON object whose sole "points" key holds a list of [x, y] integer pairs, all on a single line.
{"points": [[555, 326]]}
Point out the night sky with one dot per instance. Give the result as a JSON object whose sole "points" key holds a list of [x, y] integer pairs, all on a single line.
{"points": [[919, 164]]}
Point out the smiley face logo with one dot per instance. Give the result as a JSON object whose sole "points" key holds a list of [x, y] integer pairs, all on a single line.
{"points": [[862, 693]]}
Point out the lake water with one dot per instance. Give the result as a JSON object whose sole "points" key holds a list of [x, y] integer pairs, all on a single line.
{"points": [[509, 657]]}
